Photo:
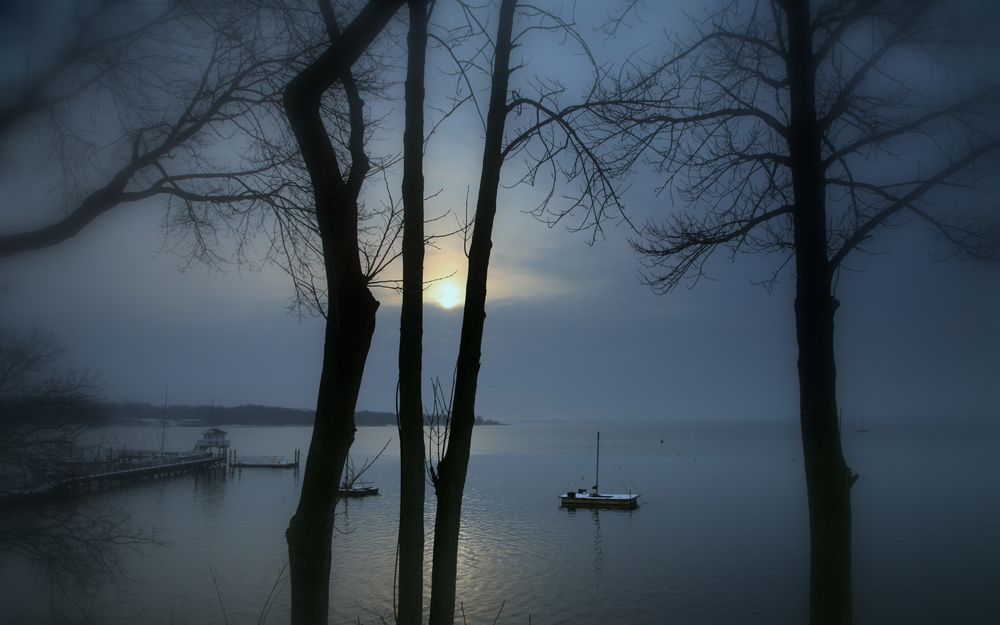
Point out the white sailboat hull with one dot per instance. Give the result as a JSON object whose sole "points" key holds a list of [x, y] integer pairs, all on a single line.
{"points": [[585, 499]]}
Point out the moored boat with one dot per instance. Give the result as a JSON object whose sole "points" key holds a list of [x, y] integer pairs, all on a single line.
{"points": [[594, 498], [588, 499], [356, 491]]}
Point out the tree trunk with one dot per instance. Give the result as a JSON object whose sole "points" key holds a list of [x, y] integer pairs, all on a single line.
{"points": [[349, 332], [828, 478], [350, 310], [411, 411], [450, 482]]}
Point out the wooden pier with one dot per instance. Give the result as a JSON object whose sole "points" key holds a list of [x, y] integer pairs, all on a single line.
{"points": [[117, 467], [100, 475]]}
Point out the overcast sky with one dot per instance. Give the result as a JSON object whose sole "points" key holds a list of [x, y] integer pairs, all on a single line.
{"points": [[570, 331]]}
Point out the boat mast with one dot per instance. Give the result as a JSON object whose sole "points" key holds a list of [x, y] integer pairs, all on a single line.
{"points": [[163, 419], [597, 476]]}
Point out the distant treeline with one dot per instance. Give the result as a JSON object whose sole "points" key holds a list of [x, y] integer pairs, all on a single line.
{"points": [[250, 414]]}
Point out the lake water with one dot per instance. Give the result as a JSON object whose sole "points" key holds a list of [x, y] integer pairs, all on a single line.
{"points": [[721, 535]]}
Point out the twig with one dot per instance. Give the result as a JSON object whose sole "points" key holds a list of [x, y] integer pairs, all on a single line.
{"points": [[502, 604], [279, 580], [218, 595]]}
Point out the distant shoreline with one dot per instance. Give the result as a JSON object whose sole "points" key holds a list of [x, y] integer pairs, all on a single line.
{"points": [[186, 424], [141, 413]]}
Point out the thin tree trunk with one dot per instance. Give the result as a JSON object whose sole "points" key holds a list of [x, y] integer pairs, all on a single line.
{"points": [[450, 483], [411, 413], [828, 478]]}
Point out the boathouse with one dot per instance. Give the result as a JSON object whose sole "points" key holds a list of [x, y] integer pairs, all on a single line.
{"points": [[213, 440]]}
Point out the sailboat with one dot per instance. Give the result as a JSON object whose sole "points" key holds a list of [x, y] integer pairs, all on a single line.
{"points": [[163, 421], [351, 486], [594, 498], [357, 489]]}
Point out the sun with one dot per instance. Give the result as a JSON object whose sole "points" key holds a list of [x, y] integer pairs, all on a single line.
{"points": [[447, 294]]}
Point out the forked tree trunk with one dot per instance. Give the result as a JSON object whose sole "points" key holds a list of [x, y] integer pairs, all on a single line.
{"points": [[451, 472], [828, 478], [350, 309], [411, 412]]}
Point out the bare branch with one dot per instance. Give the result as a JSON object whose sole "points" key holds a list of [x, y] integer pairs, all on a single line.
{"points": [[714, 118], [907, 200]]}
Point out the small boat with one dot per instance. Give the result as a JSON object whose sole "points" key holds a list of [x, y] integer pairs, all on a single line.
{"points": [[593, 498], [351, 490], [351, 486]]}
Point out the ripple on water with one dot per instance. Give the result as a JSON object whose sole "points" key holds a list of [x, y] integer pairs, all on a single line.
{"points": [[720, 537]]}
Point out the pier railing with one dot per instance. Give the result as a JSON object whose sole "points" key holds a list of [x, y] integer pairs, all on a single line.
{"points": [[265, 462]]}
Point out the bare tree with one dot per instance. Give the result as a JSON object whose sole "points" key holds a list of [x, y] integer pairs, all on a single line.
{"points": [[449, 478], [411, 412], [350, 307], [45, 415], [802, 129], [560, 141]]}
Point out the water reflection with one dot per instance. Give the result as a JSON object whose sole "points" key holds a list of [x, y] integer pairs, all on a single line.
{"points": [[598, 548], [734, 520], [598, 538]]}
